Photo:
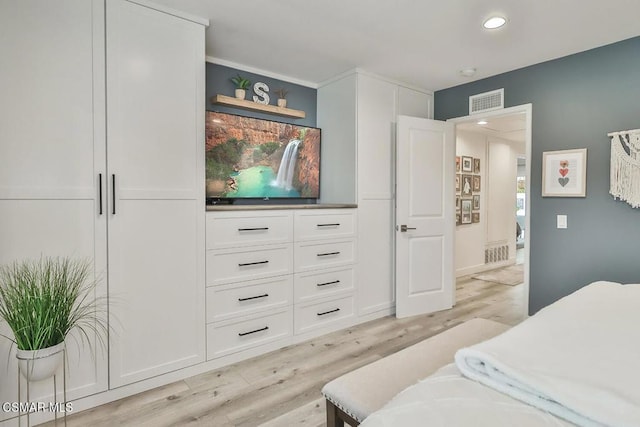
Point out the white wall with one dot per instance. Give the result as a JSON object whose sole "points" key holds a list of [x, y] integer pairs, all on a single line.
{"points": [[497, 226], [470, 238], [501, 203]]}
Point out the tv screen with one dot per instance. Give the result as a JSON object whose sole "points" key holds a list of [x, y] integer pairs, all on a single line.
{"points": [[249, 158]]}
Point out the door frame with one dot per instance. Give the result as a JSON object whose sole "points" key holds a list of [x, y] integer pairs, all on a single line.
{"points": [[527, 109]]}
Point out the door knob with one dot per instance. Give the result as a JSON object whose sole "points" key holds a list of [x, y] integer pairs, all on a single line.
{"points": [[404, 228]]}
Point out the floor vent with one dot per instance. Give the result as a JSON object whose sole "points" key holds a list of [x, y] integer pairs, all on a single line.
{"points": [[486, 101], [496, 254]]}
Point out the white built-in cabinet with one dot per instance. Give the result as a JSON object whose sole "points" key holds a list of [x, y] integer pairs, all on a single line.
{"points": [[101, 157], [357, 114], [155, 175], [275, 277], [51, 154]]}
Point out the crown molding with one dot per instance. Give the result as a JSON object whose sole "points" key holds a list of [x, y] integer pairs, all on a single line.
{"points": [[360, 71], [265, 73]]}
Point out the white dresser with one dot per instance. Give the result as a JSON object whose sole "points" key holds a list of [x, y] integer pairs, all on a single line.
{"points": [[277, 276]]}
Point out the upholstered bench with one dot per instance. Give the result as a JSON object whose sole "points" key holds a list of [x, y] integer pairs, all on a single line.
{"points": [[353, 396]]}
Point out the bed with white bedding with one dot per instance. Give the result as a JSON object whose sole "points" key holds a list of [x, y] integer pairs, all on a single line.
{"points": [[577, 361]]}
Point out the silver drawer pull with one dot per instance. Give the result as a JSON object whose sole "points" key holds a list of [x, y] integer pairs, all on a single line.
{"points": [[335, 310], [256, 297], [329, 254], [254, 229], [329, 225], [328, 283], [253, 263], [252, 332]]}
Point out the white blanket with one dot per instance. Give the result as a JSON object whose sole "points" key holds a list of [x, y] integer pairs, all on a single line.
{"points": [[578, 358], [447, 399]]}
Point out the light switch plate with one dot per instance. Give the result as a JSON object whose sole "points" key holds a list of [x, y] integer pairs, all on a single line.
{"points": [[561, 221]]}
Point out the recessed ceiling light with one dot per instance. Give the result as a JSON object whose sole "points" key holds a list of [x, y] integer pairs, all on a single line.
{"points": [[482, 122], [467, 72], [494, 22]]}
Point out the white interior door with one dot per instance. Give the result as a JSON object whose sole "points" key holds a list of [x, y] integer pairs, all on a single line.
{"points": [[425, 227]]}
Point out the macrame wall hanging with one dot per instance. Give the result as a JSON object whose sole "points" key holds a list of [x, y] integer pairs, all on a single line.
{"points": [[625, 166]]}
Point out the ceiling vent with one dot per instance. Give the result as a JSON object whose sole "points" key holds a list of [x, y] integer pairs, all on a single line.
{"points": [[487, 101]]}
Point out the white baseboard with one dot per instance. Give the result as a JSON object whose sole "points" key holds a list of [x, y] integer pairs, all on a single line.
{"points": [[481, 268]]}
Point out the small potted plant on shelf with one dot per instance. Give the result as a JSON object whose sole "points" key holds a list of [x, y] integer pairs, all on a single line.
{"points": [[282, 97], [42, 301], [242, 85]]}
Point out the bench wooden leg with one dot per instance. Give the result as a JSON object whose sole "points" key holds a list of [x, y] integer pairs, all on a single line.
{"points": [[336, 417], [332, 416]]}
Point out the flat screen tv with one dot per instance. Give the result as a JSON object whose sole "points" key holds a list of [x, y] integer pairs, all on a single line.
{"points": [[256, 159]]}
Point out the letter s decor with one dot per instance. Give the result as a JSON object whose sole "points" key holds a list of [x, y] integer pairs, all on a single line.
{"points": [[262, 95]]}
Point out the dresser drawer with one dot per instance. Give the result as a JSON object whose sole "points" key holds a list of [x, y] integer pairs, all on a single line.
{"points": [[317, 315], [234, 265], [324, 224], [232, 337], [235, 229], [241, 299], [309, 286], [316, 255]]}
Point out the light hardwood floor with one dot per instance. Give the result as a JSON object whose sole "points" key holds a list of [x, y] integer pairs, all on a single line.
{"points": [[282, 388]]}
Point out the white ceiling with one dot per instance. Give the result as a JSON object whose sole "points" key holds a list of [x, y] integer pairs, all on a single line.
{"points": [[420, 42], [511, 127]]}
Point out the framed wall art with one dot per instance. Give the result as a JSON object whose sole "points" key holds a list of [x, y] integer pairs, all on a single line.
{"points": [[564, 173], [467, 164], [475, 217], [476, 183], [466, 211], [476, 202], [476, 165], [458, 179], [467, 185], [457, 163]]}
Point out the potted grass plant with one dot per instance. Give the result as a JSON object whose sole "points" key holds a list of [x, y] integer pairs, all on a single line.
{"points": [[242, 84], [282, 97], [42, 302]]}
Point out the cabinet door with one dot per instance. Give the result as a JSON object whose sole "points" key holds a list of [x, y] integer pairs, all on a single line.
{"points": [[377, 101], [51, 152], [376, 130], [414, 103], [375, 243], [155, 128]]}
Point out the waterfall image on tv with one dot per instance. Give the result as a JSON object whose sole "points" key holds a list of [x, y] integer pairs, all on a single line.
{"points": [[260, 159]]}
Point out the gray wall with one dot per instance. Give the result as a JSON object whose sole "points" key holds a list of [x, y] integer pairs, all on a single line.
{"points": [[299, 97], [576, 101]]}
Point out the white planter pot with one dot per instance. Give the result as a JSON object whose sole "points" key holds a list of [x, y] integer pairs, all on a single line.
{"points": [[37, 365], [282, 102], [240, 93]]}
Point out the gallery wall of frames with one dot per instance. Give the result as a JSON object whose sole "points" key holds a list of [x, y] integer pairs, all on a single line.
{"points": [[468, 188]]}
